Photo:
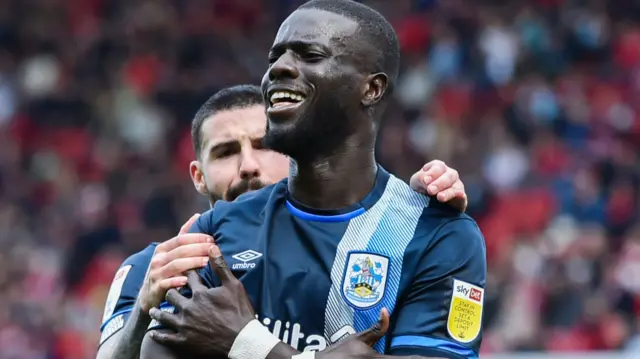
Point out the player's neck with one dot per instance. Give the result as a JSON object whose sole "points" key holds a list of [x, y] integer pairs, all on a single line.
{"points": [[335, 181]]}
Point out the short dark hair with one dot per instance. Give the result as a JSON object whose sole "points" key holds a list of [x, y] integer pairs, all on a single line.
{"points": [[374, 29], [229, 98]]}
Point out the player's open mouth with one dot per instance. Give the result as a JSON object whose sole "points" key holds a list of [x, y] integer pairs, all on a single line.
{"points": [[281, 100]]}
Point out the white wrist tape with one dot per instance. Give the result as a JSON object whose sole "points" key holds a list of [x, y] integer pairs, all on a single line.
{"points": [[305, 355], [253, 342]]}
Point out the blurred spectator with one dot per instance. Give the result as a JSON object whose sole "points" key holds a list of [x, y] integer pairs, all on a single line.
{"points": [[534, 101]]}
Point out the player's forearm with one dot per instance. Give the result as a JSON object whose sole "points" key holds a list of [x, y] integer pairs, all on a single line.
{"points": [[130, 341]]}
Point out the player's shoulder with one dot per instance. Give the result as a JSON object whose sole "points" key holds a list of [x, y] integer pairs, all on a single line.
{"points": [[125, 287], [141, 258], [435, 220], [443, 233], [440, 220], [133, 269]]}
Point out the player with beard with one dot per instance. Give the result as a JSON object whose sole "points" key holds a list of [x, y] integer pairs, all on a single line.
{"points": [[341, 246], [230, 160]]}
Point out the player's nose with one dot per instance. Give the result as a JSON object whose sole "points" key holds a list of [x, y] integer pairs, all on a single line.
{"points": [[249, 166], [284, 68]]}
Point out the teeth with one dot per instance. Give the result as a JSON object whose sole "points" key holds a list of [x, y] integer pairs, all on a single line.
{"points": [[279, 96]]}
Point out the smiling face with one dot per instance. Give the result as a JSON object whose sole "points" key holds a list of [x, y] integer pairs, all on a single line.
{"points": [[314, 84]]}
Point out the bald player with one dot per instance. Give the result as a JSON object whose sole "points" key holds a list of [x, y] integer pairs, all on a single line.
{"points": [[341, 246], [230, 160]]}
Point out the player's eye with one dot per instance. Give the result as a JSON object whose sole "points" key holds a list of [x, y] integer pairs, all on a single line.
{"points": [[224, 152], [312, 57], [273, 57]]}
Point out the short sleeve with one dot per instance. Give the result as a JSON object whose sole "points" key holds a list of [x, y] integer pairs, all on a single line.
{"points": [[202, 224], [442, 313], [124, 291]]}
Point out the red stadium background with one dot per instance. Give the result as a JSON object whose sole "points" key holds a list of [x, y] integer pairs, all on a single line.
{"points": [[535, 102]]}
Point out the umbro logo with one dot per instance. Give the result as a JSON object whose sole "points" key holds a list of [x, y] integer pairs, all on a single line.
{"points": [[245, 257]]}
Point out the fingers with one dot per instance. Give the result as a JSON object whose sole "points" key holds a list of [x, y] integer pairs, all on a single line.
{"points": [[189, 223], [178, 266], [164, 318], [175, 298], [194, 281], [376, 331], [219, 265], [417, 183], [181, 240], [430, 164], [445, 181], [165, 338], [451, 193], [173, 282], [189, 251], [433, 172]]}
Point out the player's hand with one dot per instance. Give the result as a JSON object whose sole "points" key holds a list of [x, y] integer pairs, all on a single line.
{"points": [[359, 345], [170, 261], [437, 179], [207, 323]]}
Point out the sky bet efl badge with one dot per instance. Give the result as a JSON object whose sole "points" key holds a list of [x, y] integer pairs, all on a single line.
{"points": [[465, 314], [365, 279]]}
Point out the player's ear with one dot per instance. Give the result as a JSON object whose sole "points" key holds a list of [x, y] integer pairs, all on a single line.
{"points": [[375, 86], [198, 177]]}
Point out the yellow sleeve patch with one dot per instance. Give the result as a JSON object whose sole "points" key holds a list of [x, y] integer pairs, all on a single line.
{"points": [[465, 314]]}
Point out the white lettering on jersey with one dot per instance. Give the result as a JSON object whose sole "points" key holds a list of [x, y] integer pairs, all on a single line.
{"points": [[111, 328], [114, 292], [247, 257], [293, 335]]}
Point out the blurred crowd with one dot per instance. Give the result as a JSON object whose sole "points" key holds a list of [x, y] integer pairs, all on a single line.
{"points": [[535, 102]]}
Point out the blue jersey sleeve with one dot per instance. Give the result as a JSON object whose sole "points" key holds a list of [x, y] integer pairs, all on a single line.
{"points": [[124, 291], [441, 315]]}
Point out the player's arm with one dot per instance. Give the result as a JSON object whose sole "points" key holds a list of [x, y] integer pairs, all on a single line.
{"points": [[120, 317], [156, 272], [149, 349], [442, 315], [432, 321]]}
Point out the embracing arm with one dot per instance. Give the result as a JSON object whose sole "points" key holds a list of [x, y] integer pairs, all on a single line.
{"points": [[152, 350], [439, 317], [125, 344], [150, 274], [119, 323]]}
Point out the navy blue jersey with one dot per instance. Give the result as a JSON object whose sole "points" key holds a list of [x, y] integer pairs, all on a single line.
{"points": [[124, 291], [316, 276]]}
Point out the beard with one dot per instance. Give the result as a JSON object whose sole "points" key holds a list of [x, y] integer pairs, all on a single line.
{"points": [[234, 192], [318, 132], [242, 187]]}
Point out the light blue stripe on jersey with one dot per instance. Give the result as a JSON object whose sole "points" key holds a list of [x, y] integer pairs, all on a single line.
{"points": [[387, 228], [338, 314]]}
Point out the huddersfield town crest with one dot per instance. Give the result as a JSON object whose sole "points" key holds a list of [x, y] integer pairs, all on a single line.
{"points": [[364, 279]]}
